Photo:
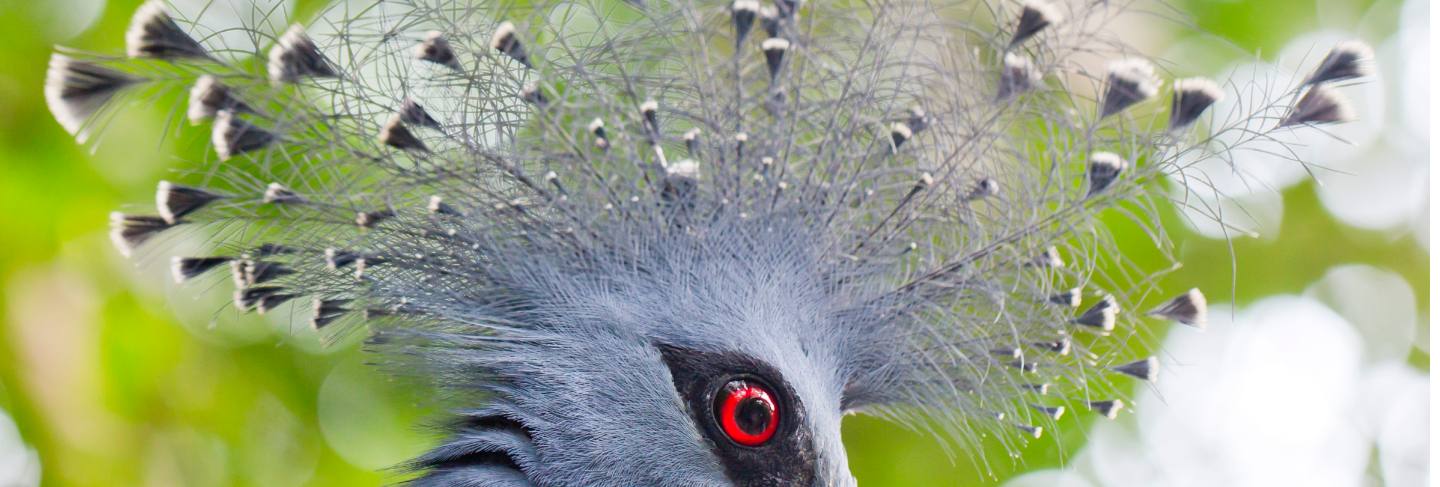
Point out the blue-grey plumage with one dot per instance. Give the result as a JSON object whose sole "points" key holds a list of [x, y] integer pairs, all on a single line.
{"points": [[834, 239]]}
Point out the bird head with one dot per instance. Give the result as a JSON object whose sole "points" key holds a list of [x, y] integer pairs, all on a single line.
{"points": [[675, 244], [699, 360]]}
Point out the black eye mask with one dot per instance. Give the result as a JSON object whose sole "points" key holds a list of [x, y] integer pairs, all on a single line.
{"points": [[756, 445]]}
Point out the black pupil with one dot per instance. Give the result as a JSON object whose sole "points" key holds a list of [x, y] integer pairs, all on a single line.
{"points": [[753, 415]]}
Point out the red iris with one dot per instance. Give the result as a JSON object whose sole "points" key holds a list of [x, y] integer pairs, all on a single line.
{"points": [[746, 412]]}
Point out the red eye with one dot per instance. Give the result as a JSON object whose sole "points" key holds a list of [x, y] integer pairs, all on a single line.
{"points": [[746, 412]]}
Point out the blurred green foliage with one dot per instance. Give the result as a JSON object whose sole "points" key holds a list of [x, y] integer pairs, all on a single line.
{"points": [[112, 388]]}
